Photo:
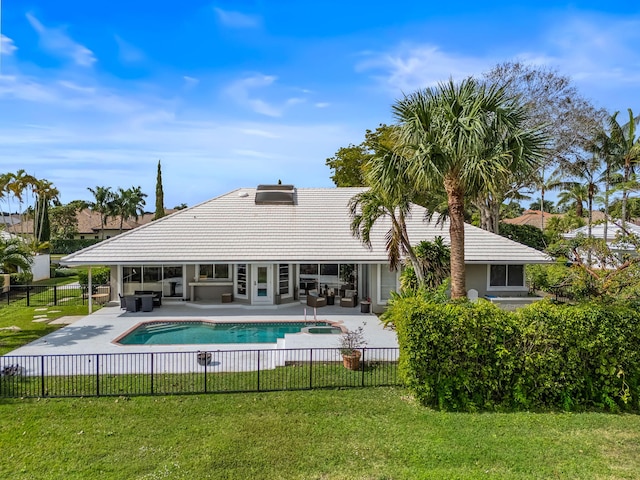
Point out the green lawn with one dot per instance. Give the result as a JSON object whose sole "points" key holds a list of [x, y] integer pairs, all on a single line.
{"points": [[374, 433], [22, 317]]}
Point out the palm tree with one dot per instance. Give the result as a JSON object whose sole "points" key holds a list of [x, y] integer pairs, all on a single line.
{"points": [[18, 185], [46, 193], [466, 137], [586, 168], [575, 196], [628, 147], [14, 254], [103, 196], [391, 199], [128, 204]]}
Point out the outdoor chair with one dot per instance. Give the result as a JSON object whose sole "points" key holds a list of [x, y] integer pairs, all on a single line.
{"points": [[349, 299], [123, 302], [315, 300]]}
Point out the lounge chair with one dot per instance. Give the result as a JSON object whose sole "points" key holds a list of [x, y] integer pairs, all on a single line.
{"points": [[315, 300], [349, 299]]}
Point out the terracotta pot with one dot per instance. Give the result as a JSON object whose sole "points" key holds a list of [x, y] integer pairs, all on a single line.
{"points": [[352, 361], [204, 358]]}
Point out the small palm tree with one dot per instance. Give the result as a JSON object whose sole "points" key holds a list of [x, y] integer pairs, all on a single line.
{"points": [[14, 255], [574, 197]]}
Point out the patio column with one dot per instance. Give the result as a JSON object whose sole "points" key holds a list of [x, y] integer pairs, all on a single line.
{"points": [[90, 291]]}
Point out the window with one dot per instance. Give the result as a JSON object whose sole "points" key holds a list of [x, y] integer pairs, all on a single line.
{"points": [[506, 277], [241, 280], [283, 278], [387, 283], [216, 271], [308, 269]]}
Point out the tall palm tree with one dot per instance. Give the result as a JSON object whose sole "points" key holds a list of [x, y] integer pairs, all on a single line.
{"points": [[18, 186], [128, 204], [103, 197], [586, 169], [466, 137], [628, 146], [45, 193]]}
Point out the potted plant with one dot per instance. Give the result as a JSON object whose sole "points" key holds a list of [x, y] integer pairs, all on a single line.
{"points": [[350, 343], [204, 358]]}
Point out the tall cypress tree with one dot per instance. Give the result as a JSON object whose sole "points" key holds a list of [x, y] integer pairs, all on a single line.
{"points": [[159, 195]]}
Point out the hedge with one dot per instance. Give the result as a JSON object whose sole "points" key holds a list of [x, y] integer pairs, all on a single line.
{"points": [[468, 357], [62, 246]]}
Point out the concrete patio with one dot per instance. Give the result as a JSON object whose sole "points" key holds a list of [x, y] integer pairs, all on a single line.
{"points": [[96, 333]]}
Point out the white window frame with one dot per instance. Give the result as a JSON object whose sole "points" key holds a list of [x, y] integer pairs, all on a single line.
{"points": [[290, 280], [230, 271], [511, 288], [379, 299], [247, 285]]}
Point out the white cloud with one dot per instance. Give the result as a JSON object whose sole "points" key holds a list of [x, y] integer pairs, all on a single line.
{"points": [[190, 82], [59, 43], [322, 104], [240, 92], [259, 133], [237, 19], [127, 52], [7, 46], [410, 67]]}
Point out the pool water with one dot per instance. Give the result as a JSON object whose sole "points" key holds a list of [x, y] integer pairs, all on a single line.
{"points": [[188, 333]]}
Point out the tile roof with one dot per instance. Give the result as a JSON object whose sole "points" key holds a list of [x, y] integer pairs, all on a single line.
{"points": [[232, 228]]}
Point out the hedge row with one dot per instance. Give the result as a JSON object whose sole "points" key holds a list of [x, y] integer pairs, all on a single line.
{"points": [[467, 357], [61, 246]]}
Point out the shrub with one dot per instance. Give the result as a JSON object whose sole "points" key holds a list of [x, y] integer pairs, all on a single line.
{"points": [[525, 234], [464, 356], [64, 272], [22, 278], [99, 276]]}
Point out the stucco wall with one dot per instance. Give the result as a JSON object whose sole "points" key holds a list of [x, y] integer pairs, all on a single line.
{"points": [[41, 267], [476, 276]]}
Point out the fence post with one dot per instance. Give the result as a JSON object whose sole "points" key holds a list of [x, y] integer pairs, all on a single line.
{"points": [[97, 374], [152, 355], [258, 370], [205, 377], [55, 295], [310, 368], [42, 376], [28, 297], [364, 350]]}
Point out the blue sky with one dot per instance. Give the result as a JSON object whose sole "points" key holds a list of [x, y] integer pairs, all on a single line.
{"points": [[237, 93]]}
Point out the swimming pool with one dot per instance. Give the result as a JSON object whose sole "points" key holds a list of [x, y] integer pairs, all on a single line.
{"points": [[204, 332]]}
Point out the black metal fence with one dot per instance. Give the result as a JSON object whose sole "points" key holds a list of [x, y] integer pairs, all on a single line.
{"points": [[166, 373], [52, 295]]}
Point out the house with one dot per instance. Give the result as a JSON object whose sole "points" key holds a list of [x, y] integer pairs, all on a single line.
{"points": [[537, 218], [619, 248], [89, 225], [275, 243]]}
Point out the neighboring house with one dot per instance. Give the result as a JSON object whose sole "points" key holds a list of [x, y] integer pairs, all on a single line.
{"points": [[535, 218], [90, 226], [617, 247], [273, 244]]}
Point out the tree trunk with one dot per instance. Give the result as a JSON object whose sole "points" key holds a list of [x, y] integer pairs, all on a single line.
{"points": [[455, 200]]}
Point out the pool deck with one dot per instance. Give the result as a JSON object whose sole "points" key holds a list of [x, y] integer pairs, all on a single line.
{"points": [[95, 333]]}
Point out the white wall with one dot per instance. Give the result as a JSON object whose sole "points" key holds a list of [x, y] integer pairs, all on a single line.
{"points": [[40, 267]]}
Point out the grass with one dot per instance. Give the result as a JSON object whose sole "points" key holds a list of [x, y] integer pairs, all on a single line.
{"points": [[22, 317], [376, 433]]}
